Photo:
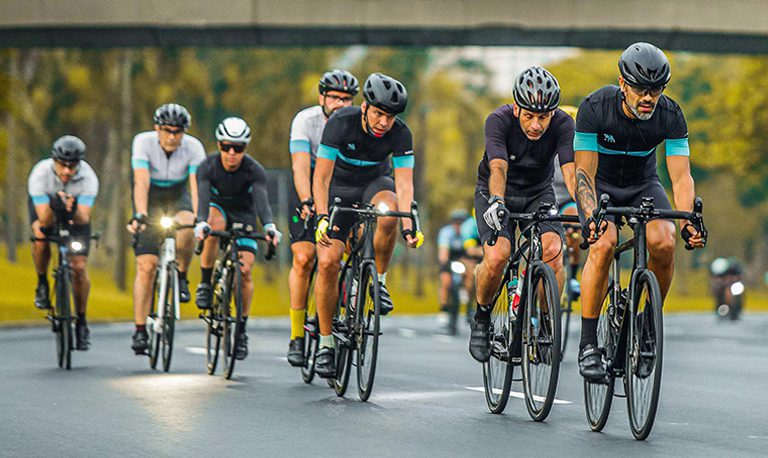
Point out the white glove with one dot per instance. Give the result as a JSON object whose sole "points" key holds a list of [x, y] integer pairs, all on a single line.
{"points": [[272, 231], [202, 229], [492, 216]]}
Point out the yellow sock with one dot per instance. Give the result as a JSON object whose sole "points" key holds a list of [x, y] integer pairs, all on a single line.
{"points": [[297, 323]]}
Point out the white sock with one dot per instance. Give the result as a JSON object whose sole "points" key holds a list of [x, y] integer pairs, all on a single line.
{"points": [[383, 278], [327, 342]]}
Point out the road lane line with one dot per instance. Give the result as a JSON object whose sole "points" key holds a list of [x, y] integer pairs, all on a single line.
{"points": [[516, 394]]}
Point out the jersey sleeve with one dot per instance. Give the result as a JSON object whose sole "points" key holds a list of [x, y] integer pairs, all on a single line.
{"points": [[495, 137], [203, 176], [676, 143], [444, 237], [587, 128], [36, 185], [402, 152], [90, 187], [197, 156], [139, 156], [330, 143], [259, 194], [565, 137], [299, 137]]}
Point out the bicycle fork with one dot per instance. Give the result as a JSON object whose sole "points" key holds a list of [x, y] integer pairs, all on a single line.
{"points": [[168, 264]]}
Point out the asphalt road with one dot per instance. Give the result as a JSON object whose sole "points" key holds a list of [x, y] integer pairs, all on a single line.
{"points": [[427, 399]]}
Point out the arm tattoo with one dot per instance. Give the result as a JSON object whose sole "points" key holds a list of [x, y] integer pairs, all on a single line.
{"points": [[585, 192]]}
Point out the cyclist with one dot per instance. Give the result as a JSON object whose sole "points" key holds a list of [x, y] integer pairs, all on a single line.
{"points": [[564, 184], [473, 256], [515, 175], [63, 188], [232, 188], [163, 161], [617, 132], [450, 247], [337, 89], [355, 149]]}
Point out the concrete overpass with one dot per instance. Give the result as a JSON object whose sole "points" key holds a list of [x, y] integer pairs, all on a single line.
{"points": [[738, 26]]}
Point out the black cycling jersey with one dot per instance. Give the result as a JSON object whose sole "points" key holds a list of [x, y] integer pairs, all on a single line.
{"points": [[531, 162], [361, 158], [627, 146], [243, 189]]}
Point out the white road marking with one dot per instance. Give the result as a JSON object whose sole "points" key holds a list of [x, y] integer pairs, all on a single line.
{"points": [[406, 332], [516, 394], [196, 350], [757, 437]]}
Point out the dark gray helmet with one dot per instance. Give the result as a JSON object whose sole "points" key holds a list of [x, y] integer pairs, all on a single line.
{"points": [[386, 93], [68, 148], [339, 80], [172, 114], [536, 90], [643, 64]]}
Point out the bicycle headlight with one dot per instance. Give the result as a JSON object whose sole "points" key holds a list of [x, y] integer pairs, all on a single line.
{"points": [[383, 208], [166, 222], [76, 246], [737, 288], [458, 268]]}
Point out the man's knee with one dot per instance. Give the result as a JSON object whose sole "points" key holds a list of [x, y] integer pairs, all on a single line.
{"points": [[145, 266], [662, 245], [79, 265], [303, 260], [552, 247], [328, 263], [496, 258], [601, 252]]}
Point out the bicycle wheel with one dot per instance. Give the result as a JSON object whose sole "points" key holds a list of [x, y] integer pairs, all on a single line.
{"points": [[497, 371], [169, 317], [566, 307], [367, 316], [232, 316], [645, 351], [212, 340], [154, 311], [599, 396], [311, 333], [541, 343], [342, 322], [63, 321]]}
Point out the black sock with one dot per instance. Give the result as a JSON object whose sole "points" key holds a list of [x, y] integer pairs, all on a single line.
{"points": [[42, 279], [207, 272], [574, 269], [245, 321], [588, 332], [141, 327], [182, 275], [81, 319], [483, 312]]}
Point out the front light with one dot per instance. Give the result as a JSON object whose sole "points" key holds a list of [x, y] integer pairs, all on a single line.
{"points": [[458, 268], [737, 288], [166, 222], [76, 246], [383, 208]]}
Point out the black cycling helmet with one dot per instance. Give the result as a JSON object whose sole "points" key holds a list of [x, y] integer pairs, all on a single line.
{"points": [[536, 90], [172, 114], [386, 93], [68, 148], [643, 64], [339, 80]]}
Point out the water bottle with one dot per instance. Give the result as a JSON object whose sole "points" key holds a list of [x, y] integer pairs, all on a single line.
{"points": [[517, 292], [511, 288]]}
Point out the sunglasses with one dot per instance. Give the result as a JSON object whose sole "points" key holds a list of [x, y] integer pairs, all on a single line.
{"points": [[170, 131], [71, 165], [237, 147], [344, 99], [654, 91]]}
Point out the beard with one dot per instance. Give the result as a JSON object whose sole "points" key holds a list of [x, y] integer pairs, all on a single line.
{"points": [[640, 115]]}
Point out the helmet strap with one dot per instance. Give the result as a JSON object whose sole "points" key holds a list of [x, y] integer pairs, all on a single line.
{"points": [[367, 125]]}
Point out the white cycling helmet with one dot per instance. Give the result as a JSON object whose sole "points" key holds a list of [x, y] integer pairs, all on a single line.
{"points": [[233, 130]]}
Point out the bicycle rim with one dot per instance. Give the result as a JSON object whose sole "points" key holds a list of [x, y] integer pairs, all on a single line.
{"points": [[645, 350], [232, 314], [599, 396], [154, 338], [368, 317], [311, 332], [169, 319], [541, 344], [566, 307], [65, 323], [497, 371], [212, 340], [56, 321], [343, 316]]}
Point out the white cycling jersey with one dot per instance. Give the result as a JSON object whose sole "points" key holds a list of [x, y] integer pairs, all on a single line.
{"points": [[43, 182], [166, 170], [307, 130]]}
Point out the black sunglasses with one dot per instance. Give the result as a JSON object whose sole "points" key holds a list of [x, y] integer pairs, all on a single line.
{"points": [[237, 147], [654, 91]]}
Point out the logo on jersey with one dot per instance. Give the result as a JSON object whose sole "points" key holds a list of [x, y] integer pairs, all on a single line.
{"points": [[609, 138], [351, 146]]}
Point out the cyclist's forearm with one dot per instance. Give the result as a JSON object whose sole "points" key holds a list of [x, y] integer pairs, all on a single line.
{"points": [[586, 168], [261, 203], [442, 255], [498, 181], [404, 193], [44, 214], [140, 191], [203, 199], [321, 183], [82, 214], [302, 170], [683, 188], [569, 176], [193, 192]]}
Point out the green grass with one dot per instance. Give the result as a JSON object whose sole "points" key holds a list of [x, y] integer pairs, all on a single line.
{"points": [[108, 303]]}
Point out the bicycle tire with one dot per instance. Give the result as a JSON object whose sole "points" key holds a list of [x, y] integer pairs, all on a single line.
{"points": [[233, 325], [56, 328], [497, 371], [342, 315], [566, 307], [212, 340], [311, 332], [154, 338], [169, 318], [367, 316], [64, 317], [645, 341], [598, 397], [541, 343]]}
